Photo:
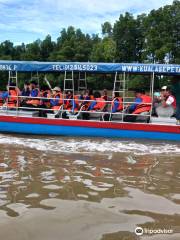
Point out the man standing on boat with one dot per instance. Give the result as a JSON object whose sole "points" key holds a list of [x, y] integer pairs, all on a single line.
{"points": [[176, 93]]}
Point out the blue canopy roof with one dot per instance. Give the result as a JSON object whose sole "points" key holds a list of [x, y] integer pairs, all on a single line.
{"points": [[33, 66]]}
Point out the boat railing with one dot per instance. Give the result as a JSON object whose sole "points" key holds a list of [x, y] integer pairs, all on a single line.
{"points": [[81, 108]]}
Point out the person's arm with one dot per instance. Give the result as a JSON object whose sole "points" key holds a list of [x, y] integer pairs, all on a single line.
{"points": [[5, 95], [34, 93], [115, 106], [55, 102], [168, 102], [92, 105]]}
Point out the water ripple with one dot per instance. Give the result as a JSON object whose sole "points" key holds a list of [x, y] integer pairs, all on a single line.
{"points": [[76, 145]]}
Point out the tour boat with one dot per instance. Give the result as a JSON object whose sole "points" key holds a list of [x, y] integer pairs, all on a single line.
{"points": [[28, 122]]}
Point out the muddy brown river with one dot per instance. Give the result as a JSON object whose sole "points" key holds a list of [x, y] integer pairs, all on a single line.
{"points": [[58, 188]]}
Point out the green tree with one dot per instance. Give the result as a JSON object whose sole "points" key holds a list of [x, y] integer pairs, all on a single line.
{"points": [[73, 45], [6, 49], [162, 34], [33, 51], [126, 36], [47, 47], [104, 51], [107, 29], [19, 51]]}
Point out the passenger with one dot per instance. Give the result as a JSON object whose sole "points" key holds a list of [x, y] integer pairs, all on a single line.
{"points": [[98, 104], [168, 103], [34, 93], [169, 99], [71, 103], [142, 103], [58, 98], [11, 96], [25, 92], [176, 93], [105, 95], [91, 94], [87, 97], [45, 94], [117, 103]]}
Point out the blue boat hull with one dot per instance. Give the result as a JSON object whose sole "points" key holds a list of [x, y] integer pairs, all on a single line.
{"points": [[45, 129]]}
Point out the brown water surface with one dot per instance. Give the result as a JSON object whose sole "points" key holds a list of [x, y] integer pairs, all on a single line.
{"points": [[88, 189]]}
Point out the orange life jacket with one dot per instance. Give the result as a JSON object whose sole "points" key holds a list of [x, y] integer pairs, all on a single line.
{"points": [[143, 106], [100, 104], [120, 100], [76, 98], [12, 99], [91, 97], [61, 99], [34, 101]]}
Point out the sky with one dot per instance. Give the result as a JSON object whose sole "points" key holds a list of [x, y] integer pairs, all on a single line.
{"points": [[28, 20]]}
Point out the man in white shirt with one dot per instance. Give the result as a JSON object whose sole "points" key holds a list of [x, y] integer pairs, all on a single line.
{"points": [[167, 98], [167, 105]]}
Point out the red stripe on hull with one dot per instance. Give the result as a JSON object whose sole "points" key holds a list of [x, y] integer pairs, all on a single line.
{"points": [[83, 123]]}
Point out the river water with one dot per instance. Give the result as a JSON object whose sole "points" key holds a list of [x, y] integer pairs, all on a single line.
{"points": [[54, 188]]}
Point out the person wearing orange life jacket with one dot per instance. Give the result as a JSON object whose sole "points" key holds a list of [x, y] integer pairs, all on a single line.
{"points": [[98, 104], [34, 93], [57, 100], [71, 103], [117, 103], [11, 96], [85, 98], [45, 94], [144, 105], [140, 103]]}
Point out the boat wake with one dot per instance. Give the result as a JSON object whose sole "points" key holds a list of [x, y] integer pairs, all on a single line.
{"points": [[83, 145]]}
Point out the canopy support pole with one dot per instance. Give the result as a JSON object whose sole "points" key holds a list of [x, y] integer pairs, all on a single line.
{"points": [[151, 93], [13, 78]]}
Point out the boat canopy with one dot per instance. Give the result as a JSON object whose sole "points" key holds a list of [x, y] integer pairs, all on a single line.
{"points": [[35, 66]]}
